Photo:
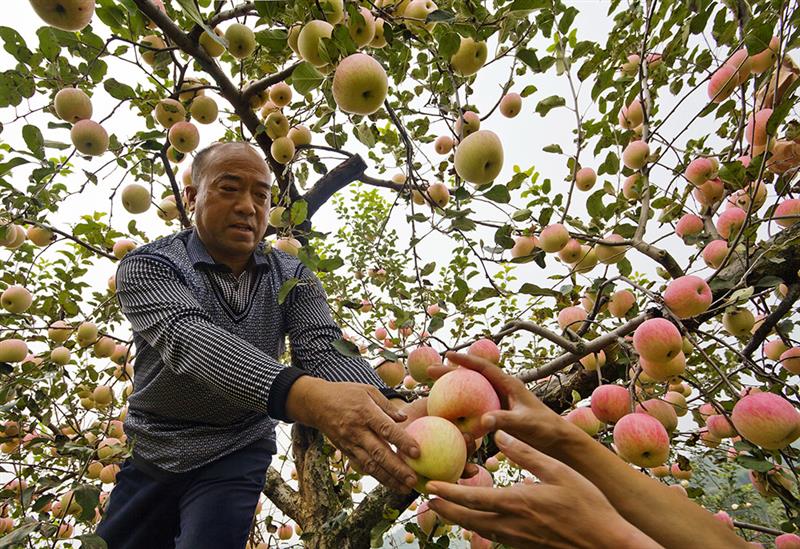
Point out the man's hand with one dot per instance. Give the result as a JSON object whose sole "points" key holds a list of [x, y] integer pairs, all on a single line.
{"points": [[565, 510], [359, 421]]}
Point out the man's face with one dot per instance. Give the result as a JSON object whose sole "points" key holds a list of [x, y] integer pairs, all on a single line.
{"points": [[234, 193]]}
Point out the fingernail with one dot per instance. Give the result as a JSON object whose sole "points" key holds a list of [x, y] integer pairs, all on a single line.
{"points": [[489, 421], [414, 452], [401, 414], [501, 437]]}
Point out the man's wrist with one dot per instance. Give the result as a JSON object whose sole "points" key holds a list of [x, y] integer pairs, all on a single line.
{"points": [[300, 402]]}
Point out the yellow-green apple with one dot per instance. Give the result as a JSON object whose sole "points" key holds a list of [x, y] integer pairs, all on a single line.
{"points": [[585, 179], [485, 349], [722, 83], [241, 40], [611, 254], [631, 66], [632, 115], [635, 154], [790, 359], [122, 247], [60, 355], [280, 94], [687, 296], [204, 110], [184, 136], [168, 208], [120, 354], [282, 150], [16, 299], [86, 334], [300, 135], [169, 112], [594, 361], [108, 475], [469, 57], [102, 395], [553, 238], [760, 62], [585, 420], [153, 51], [787, 213], [419, 360], [641, 440], [587, 260], [72, 105], [610, 403], [510, 105], [290, 245], [112, 283], [678, 401], [767, 420], [417, 197], [409, 382], [756, 130], [93, 470], [429, 521], [104, 347], [701, 170], [442, 450], [276, 217], [709, 192], [277, 125], [293, 35], [362, 27], [360, 84], [135, 198], [13, 350], [714, 253], [462, 396], [109, 447], [439, 194], [662, 370], [719, 427], [379, 39], [259, 98], [309, 41], [657, 340], [689, 225], [40, 236], [621, 302], [68, 15], [69, 504], [469, 122], [443, 144], [571, 252], [59, 331], [632, 185], [333, 10], [392, 373], [523, 246], [738, 321], [11, 235], [774, 348], [730, 221], [89, 137], [212, 47], [479, 157], [663, 411], [572, 317]]}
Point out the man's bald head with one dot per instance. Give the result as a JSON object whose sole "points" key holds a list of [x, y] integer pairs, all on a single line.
{"points": [[214, 152]]}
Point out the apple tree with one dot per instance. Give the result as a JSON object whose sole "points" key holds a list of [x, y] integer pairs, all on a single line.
{"points": [[611, 216]]}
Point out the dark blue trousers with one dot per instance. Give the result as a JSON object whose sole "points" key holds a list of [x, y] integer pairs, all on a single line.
{"points": [[210, 507]]}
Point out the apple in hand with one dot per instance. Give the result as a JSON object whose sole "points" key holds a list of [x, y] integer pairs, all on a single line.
{"points": [[463, 396], [443, 451]]}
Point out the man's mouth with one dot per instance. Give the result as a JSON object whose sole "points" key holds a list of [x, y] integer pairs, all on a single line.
{"points": [[242, 227]]}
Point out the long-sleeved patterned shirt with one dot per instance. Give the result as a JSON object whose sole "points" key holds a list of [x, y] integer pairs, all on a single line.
{"points": [[207, 380]]}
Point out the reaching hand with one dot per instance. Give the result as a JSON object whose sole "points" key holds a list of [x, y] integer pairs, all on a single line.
{"points": [[565, 510]]}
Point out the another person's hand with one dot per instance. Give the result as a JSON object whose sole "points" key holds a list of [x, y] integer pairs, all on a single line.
{"points": [[361, 422], [564, 510]]}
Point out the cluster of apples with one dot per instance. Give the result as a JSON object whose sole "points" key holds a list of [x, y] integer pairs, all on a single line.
{"points": [[15, 235]]}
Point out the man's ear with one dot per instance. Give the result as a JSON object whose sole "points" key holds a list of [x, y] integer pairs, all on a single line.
{"points": [[191, 196]]}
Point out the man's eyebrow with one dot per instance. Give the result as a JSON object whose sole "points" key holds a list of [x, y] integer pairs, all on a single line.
{"points": [[229, 176]]}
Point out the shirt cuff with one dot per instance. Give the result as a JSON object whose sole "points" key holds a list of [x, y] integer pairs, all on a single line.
{"points": [[279, 392]]}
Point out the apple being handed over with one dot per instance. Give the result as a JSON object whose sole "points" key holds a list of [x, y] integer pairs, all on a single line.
{"points": [[463, 396], [442, 450]]}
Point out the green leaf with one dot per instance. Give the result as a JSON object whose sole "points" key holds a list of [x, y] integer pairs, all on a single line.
{"points": [[191, 10], [555, 148], [439, 16], [498, 193], [330, 264], [525, 5], [18, 536], [534, 290], [485, 293], [287, 287], [92, 541], [365, 134], [758, 37], [298, 212], [306, 78], [594, 204], [274, 40], [428, 269], [521, 215], [755, 464], [436, 323], [34, 140], [502, 237], [118, 90], [530, 58], [780, 112], [6, 167], [448, 44], [528, 90], [87, 497], [549, 103], [346, 348]]}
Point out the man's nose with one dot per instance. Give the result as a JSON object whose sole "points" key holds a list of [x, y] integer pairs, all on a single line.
{"points": [[245, 204]]}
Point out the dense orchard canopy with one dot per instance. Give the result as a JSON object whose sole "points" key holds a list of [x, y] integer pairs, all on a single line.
{"points": [[614, 217]]}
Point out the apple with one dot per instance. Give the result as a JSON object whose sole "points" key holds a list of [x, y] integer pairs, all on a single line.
{"points": [[439, 194], [108, 475], [15, 236], [632, 115], [789, 210], [641, 440], [657, 340], [309, 41], [16, 299], [93, 470], [443, 144], [60, 355], [594, 361], [738, 321], [362, 27], [40, 236], [719, 427], [631, 186], [241, 40], [67, 15], [482, 479], [86, 334], [553, 238], [122, 247], [184, 136], [360, 84], [462, 396], [730, 222], [760, 62], [523, 246], [678, 401], [790, 359], [688, 296], [294, 34], [13, 350], [429, 521], [787, 541], [585, 420], [773, 349], [709, 192], [662, 370], [72, 105], [443, 451], [479, 157], [585, 179], [416, 13], [379, 40], [300, 135], [168, 208], [419, 360], [631, 66], [611, 254], [276, 218], [333, 10], [212, 47], [204, 110], [610, 402], [587, 261], [135, 198], [89, 137], [168, 112], [409, 382], [756, 131], [112, 283], [280, 94], [723, 83], [714, 253], [689, 225], [510, 105], [104, 347], [392, 373], [571, 252], [662, 410], [701, 170], [767, 420], [69, 504], [572, 317], [635, 154], [154, 51], [469, 122], [290, 245], [469, 57], [59, 331], [621, 302], [740, 61], [282, 150], [277, 125]]}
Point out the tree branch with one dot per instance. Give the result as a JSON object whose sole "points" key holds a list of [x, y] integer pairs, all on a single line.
{"points": [[335, 180], [281, 494]]}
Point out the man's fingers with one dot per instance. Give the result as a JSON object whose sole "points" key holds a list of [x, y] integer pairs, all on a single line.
{"points": [[504, 384], [391, 432], [435, 372], [483, 522], [508, 420], [388, 408], [479, 498], [374, 465], [545, 468], [470, 470]]}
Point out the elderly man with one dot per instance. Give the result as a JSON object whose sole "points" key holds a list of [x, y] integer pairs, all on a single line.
{"points": [[209, 390]]}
